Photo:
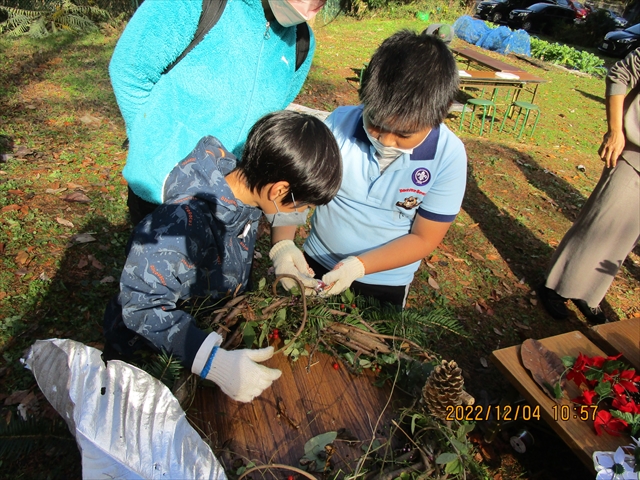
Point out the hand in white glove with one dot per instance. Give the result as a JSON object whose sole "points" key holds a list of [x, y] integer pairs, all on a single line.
{"points": [[288, 259], [235, 372], [342, 276]]}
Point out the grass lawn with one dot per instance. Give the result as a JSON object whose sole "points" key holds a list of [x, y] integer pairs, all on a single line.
{"points": [[60, 260]]}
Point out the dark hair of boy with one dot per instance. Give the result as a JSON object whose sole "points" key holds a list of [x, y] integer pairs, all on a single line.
{"points": [[410, 82], [296, 148]]}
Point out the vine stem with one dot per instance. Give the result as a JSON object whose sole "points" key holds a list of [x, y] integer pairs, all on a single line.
{"points": [[278, 466], [304, 306]]}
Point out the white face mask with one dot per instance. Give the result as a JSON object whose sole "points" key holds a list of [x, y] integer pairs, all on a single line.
{"points": [[293, 12], [286, 219], [385, 154]]}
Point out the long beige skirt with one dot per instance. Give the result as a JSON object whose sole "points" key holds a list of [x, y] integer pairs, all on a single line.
{"points": [[607, 229]]}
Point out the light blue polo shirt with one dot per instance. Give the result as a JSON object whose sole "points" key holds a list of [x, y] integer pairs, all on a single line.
{"points": [[371, 209]]}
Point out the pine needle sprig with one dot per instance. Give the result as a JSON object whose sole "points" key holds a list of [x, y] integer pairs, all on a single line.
{"points": [[20, 437], [165, 368]]}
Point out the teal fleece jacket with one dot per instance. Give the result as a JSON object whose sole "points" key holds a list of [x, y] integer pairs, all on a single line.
{"points": [[242, 69]]}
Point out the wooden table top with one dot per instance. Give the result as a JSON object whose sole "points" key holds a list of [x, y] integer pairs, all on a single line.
{"points": [[320, 400], [485, 60], [479, 76], [579, 435], [624, 337]]}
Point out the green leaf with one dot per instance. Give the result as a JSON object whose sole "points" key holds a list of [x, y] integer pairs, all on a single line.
{"points": [[568, 361], [454, 468], [603, 389], [464, 429], [414, 417], [262, 283], [281, 317], [446, 457], [458, 445], [557, 390], [248, 334], [316, 444], [364, 363]]}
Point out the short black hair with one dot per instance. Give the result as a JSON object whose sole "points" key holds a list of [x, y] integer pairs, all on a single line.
{"points": [[410, 82], [297, 148]]}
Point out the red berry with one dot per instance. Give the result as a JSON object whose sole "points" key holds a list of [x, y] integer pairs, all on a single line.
{"points": [[276, 331], [336, 366], [353, 305], [270, 336], [276, 335], [290, 477], [342, 306]]}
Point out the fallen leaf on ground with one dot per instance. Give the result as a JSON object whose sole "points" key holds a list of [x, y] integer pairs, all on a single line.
{"points": [[108, 279], [10, 208], [76, 186], [483, 362], [477, 256], [22, 258], [433, 283], [15, 192], [521, 325], [54, 191], [83, 262], [76, 196], [95, 263], [64, 222], [82, 238], [493, 257], [533, 301], [498, 331]]}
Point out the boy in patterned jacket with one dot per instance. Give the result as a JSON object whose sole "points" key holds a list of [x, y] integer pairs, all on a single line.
{"points": [[200, 242]]}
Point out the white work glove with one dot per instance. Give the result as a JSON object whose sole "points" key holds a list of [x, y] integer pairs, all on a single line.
{"points": [[342, 276], [288, 259], [235, 372]]}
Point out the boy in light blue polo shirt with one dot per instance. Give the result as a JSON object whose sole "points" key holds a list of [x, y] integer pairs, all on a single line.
{"points": [[404, 176]]}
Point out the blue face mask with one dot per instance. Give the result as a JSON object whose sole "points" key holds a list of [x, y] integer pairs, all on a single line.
{"points": [[286, 219]]}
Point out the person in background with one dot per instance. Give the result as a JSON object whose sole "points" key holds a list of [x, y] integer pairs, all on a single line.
{"points": [[608, 226], [199, 244], [244, 67], [404, 176]]}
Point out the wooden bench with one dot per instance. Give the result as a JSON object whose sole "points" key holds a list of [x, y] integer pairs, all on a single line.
{"points": [[624, 337]]}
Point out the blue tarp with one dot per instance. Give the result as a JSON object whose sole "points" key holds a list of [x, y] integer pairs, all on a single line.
{"points": [[502, 39]]}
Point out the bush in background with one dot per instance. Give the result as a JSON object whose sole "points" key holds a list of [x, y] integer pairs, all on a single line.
{"points": [[567, 56]]}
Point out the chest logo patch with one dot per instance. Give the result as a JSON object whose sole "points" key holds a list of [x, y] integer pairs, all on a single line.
{"points": [[409, 203], [421, 176]]}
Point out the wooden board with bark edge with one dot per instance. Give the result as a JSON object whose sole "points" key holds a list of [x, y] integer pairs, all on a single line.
{"points": [[624, 337], [323, 400], [577, 434]]}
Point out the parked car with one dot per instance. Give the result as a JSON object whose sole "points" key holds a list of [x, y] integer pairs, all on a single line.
{"points": [[497, 11], [619, 43], [581, 11], [620, 21], [541, 17]]}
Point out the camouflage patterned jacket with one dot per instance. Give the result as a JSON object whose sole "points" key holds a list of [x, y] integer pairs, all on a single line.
{"points": [[199, 243]]}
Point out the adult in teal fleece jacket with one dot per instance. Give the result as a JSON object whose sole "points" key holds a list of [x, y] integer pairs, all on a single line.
{"points": [[242, 69]]}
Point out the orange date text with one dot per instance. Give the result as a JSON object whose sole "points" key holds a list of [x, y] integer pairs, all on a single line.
{"points": [[500, 413]]}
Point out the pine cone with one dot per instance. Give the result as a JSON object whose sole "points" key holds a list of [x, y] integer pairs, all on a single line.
{"points": [[445, 387]]}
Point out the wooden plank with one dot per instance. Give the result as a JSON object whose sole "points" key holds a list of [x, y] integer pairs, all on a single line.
{"points": [[321, 400], [577, 434], [624, 337]]}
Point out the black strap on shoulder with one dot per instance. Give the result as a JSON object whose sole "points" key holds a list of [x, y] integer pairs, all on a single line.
{"points": [[211, 13], [303, 41]]}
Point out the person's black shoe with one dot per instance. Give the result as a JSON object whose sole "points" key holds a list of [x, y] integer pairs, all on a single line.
{"points": [[553, 303], [593, 315]]}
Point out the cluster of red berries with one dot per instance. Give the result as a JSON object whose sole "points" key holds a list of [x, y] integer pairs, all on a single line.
{"points": [[342, 306], [275, 334]]}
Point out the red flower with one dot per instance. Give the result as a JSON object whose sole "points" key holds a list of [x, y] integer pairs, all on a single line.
{"points": [[597, 361], [577, 376], [625, 405], [610, 424], [586, 398], [615, 357], [581, 362]]}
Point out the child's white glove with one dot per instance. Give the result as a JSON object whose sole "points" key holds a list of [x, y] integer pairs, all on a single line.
{"points": [[235, 372], [342, 276], [288, 259]]}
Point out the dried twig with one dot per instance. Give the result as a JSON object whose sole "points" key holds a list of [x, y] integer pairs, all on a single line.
{"points": [[277, 466]]}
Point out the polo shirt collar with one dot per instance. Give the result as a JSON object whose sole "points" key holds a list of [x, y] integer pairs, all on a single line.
{"points": [[425, 151]]}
